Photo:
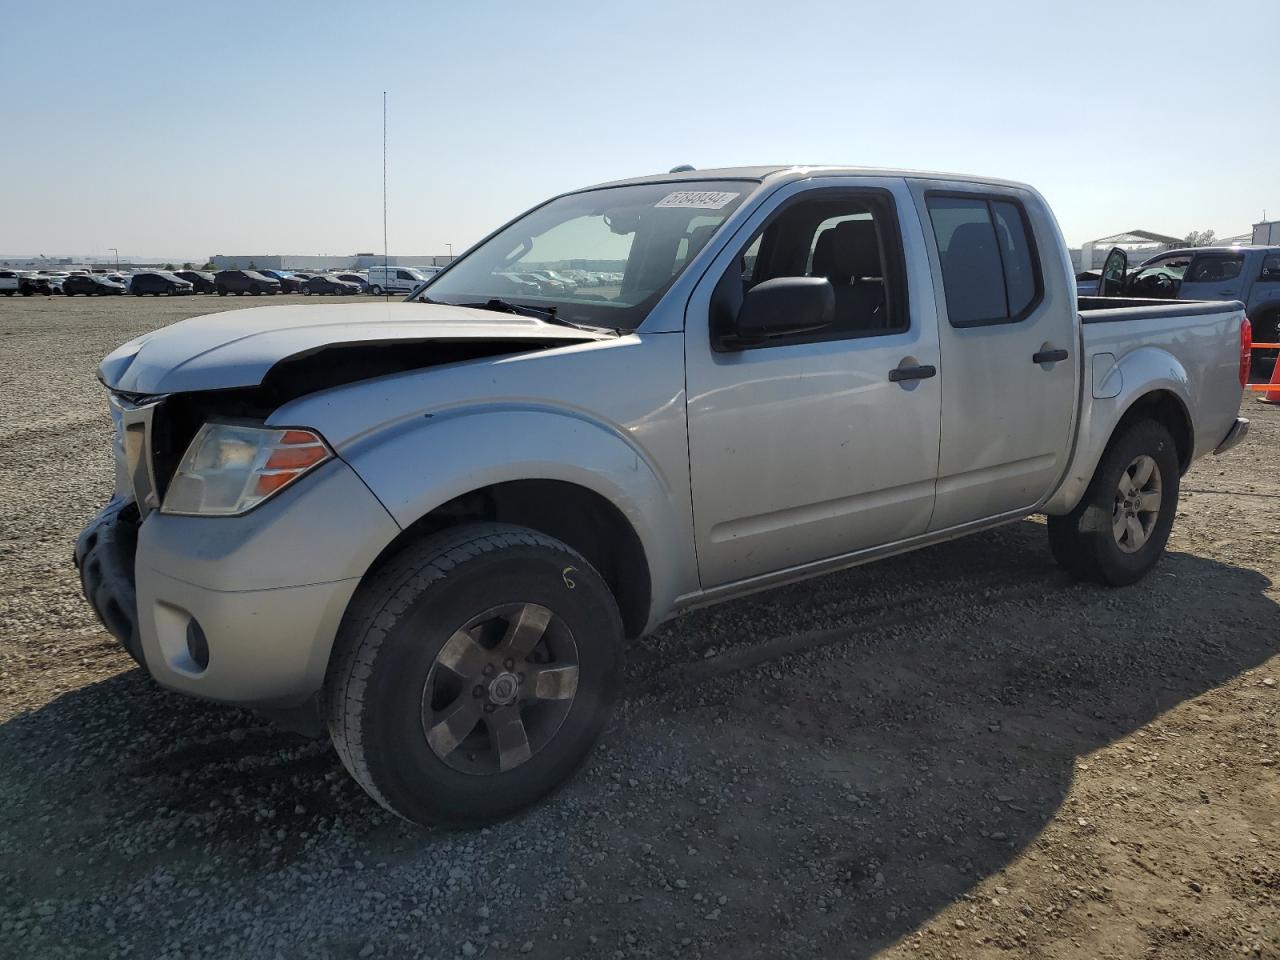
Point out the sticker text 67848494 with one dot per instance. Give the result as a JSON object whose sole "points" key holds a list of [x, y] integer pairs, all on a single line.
{"points": [[697, 199]]}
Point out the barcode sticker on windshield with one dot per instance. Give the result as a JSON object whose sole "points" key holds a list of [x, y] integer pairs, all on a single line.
{"points": [[697, 199]]}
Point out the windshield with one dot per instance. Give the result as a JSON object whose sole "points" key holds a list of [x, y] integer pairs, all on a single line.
{"points": [[603, 257]]}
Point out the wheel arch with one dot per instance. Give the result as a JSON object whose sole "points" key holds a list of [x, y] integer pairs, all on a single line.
{"points": [[581, 517], [555, 471], [1161, 399]]}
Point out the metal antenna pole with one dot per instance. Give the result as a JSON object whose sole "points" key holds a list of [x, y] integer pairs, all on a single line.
{"points": [[386, 258]]}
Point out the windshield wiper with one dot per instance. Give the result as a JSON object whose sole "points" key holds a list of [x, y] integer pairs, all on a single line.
{"points": [[547, 314]]}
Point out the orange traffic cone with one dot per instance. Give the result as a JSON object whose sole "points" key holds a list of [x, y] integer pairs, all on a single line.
{"points": [[1273, 394]]}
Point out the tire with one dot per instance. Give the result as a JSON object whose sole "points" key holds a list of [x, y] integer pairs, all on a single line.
{"points": [[221, 291], [306, 291], [256, 290], [386, 685], [1097, 541], [375, 290]]}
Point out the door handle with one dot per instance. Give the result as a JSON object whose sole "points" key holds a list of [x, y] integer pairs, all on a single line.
{"points": [[1049, 356], [922, 372]]}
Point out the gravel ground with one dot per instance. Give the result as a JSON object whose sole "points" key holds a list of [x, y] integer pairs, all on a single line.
{"points": [[956, 753]]}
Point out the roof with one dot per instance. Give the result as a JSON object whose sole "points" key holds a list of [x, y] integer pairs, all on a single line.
{"points": [[802, 172], [1139, 236]]}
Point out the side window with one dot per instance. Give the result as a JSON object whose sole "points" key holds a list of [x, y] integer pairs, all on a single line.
{"points": [[1270, 268], [1214, 269], [848, 237], [989, 262]]}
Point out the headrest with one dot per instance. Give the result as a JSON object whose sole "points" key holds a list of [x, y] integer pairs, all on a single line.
{"points": [[849, 249]]}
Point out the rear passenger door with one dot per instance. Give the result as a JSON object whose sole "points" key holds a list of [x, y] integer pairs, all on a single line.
{"points": [[1007, 338]]}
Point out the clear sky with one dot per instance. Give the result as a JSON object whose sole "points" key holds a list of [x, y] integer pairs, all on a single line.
{"points": [[183, 130]]}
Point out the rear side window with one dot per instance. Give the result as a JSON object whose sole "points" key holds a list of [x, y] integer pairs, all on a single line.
{"points": [[1213, 269], [1270, 268], [989, 265]]}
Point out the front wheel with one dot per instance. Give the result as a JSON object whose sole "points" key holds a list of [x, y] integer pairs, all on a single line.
{"points": [[1118, 530], [473, 673]]}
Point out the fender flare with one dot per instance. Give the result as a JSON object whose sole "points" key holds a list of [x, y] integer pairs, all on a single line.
{"points": [[417, 466], [1136, 376]]}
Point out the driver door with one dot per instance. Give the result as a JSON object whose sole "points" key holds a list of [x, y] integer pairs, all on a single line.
{"points": [[1114, 270], [814, 446]]}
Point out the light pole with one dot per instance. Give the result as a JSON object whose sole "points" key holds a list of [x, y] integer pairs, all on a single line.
{"points": [[117, 253], [450, 246]]}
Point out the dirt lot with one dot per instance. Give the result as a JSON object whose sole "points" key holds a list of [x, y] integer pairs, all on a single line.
{"points": [[956, 753]]}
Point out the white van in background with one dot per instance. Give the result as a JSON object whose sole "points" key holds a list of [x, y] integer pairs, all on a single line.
{"points": [[394, 279]]}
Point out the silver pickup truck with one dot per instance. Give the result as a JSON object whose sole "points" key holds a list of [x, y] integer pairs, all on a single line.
{"points": [[434, 526]]}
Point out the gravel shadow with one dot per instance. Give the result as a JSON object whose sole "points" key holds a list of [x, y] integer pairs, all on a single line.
{"points": [[823, 767]]}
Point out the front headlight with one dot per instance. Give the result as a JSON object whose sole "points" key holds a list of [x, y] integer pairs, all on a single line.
{"points": [[229, 469]]}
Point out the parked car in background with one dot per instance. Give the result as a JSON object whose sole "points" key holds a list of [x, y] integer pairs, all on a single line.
{"points": [[361, 281], [1249, 274], [34, 284], [9, 282], [434, 527], [54, 278], [289, 282], [332, 285], [91, 285], [158, 283], [393, 280], [201, 280], [241, 282]]}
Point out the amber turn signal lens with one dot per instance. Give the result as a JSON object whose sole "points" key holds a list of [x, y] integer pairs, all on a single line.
{"points": [[296, 458]]}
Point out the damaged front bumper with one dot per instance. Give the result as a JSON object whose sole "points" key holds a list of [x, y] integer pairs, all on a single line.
{"points": [[105, 554], [243, 609]]}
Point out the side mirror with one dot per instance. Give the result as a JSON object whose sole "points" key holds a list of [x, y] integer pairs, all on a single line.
{"points": [[785, 306]]}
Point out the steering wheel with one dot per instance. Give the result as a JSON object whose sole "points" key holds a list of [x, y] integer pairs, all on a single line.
{"points": [[1164, 284]]}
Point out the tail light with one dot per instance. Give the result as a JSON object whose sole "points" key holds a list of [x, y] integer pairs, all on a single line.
{"points": [[1246, 346]]}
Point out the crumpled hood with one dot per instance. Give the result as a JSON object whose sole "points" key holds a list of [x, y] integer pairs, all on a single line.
{"points": [[237, 348]]}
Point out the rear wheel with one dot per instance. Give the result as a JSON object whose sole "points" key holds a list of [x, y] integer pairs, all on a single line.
{"points": [[473, 673], [221, 290], [375, 290], [1118, 530]]}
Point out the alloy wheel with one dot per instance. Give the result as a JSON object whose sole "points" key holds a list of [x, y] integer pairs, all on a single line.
{"points": [[1137, 504], [500, 688]]}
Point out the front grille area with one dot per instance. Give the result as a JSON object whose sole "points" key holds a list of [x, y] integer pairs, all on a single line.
{"points": [[137, 441]]}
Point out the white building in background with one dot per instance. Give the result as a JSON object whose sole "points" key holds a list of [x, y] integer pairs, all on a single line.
{"points": [[1138, 244], [1266, 233]]}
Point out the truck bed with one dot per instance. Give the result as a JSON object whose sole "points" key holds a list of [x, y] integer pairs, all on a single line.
{"points": [[1191, 345], [1112, 309]]}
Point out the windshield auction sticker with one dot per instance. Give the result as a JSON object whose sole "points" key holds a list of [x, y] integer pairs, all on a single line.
{"points": [[697, 199]]}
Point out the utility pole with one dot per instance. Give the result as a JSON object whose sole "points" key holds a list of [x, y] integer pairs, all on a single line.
{"points": [[117, 253], [450, 246]]}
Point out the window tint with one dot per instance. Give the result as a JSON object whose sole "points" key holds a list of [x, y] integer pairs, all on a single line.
{"points": [[989, 270], [1270, 268], [1211, 269], [1019, 272], [971, 271]]}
